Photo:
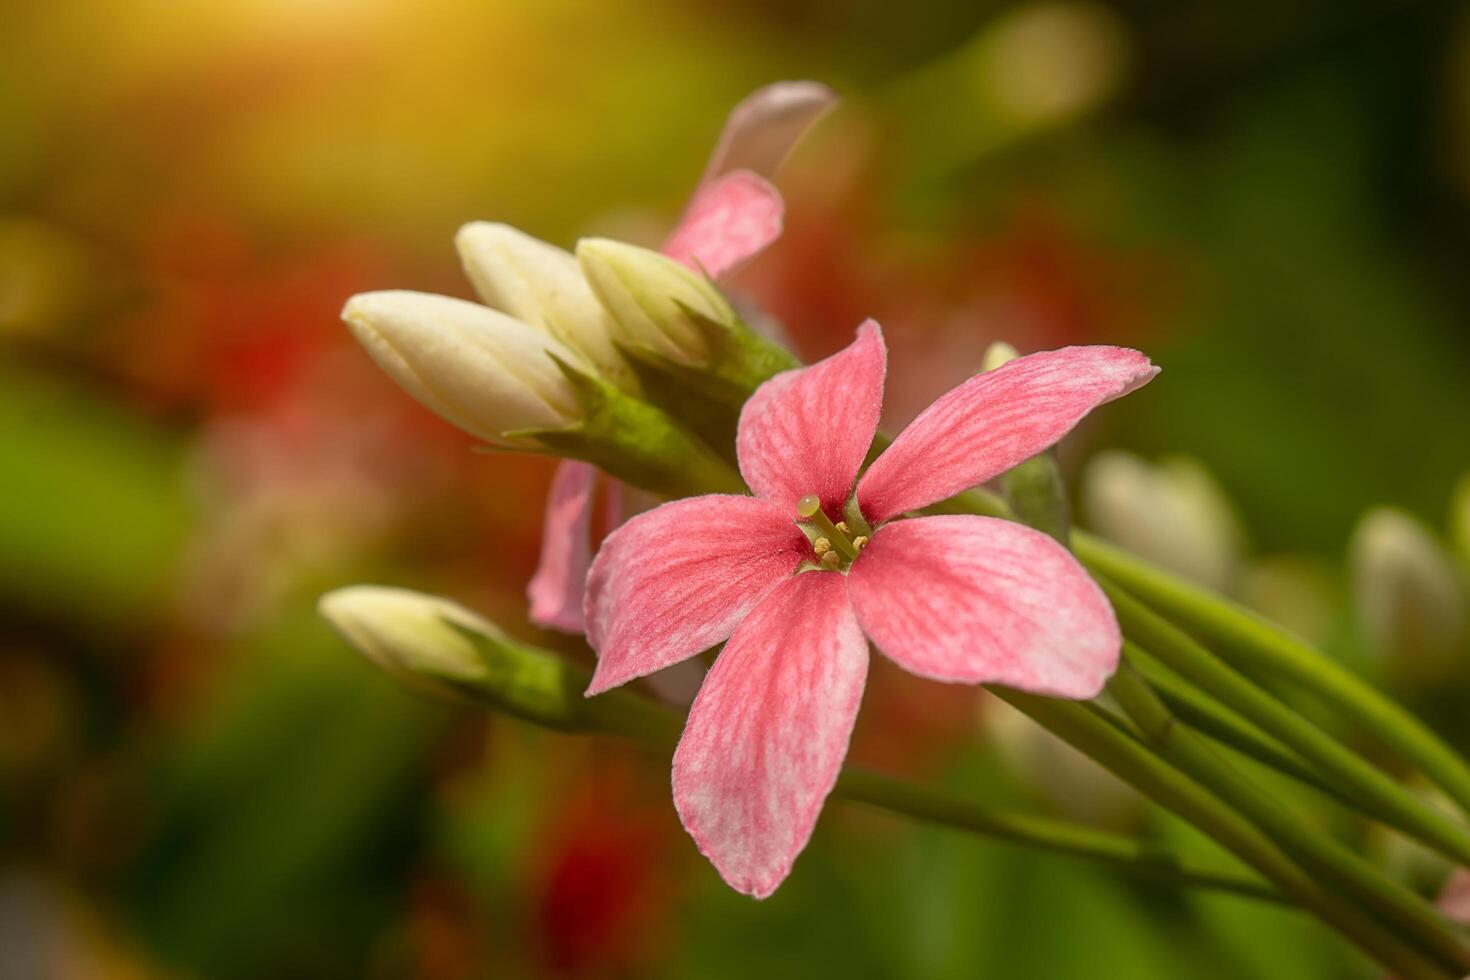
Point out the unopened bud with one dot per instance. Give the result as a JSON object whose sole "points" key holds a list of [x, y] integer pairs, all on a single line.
{"points": [[997, 354], [542, 285], [1045, 63], [440, 648], [1408, 591], [409, 634], [486, 372], [1173, 513], [1067, 779], [653, 299], [1294, 591]]}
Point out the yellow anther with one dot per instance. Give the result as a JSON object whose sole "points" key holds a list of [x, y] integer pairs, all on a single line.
{"points": [[842, 526], [831, 560], [821, 546], [859, 541]]}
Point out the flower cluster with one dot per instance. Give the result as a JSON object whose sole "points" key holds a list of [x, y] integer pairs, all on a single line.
{"points": [[820, 558]]}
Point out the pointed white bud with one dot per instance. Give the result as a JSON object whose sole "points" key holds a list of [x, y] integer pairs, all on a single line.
{"points": [[484, 371], [411, 635], [542, 285], [1409, 593], [647, 294], [1173, 513]]}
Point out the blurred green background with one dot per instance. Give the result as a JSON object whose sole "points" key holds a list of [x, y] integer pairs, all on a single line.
{"points": [[197, 779]]}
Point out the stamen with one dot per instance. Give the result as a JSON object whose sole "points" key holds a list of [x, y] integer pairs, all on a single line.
{"points": [[831, 560], [821, 546], [859, 541], [842, 526], [809, 508]]}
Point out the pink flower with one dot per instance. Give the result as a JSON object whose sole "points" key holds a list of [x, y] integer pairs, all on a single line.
{"points": [[733, 214], [957, 598]]}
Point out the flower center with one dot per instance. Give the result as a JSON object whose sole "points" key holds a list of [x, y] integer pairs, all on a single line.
{"points": [[835, 545]]}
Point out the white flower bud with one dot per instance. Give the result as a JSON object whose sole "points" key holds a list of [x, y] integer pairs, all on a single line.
{"points": [[646, 294], [1408, 591], [542, 285], [1172, 513], [484, 371], [409, 634]]}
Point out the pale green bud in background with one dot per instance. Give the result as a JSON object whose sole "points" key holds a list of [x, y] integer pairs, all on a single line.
{"points": [[1410, 597], [1173, 513], [542, 285], [997, 354], [1067, 779], [1296, 591], [411, 635], [1041, 64], [648, 294], [484, 371]]}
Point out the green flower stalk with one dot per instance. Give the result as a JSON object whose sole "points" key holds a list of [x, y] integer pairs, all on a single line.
{"points": [[438, 648]]}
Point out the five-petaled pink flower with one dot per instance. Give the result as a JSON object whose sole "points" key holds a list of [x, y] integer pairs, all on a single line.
{"points": [[954, 598]]}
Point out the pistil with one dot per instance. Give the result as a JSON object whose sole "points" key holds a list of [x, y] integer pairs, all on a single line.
{"points": [[809, 508]]}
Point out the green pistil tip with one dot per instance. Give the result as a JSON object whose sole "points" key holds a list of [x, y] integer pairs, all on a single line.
{"points": [[809, 505]]}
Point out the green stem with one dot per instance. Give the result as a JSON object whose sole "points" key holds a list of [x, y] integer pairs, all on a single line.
{"points": [[1167, 786], [540, 687], [1341, 869], [1386, 800], [1259, 646], [1144, 858], [1211, 718]]}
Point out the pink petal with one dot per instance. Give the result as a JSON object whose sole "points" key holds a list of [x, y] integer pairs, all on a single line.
{"points": [[728, 220], [808, 429], [993, 421], [612, 507], [767, 735], [762, 130], [556, 589], [985, 601], [678, 579]]}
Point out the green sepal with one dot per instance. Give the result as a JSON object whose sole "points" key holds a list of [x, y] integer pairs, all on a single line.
{"points": [[540, 687], [707, 397], [740, 359], [681, 391], [1036, 494], [636, 442]]}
